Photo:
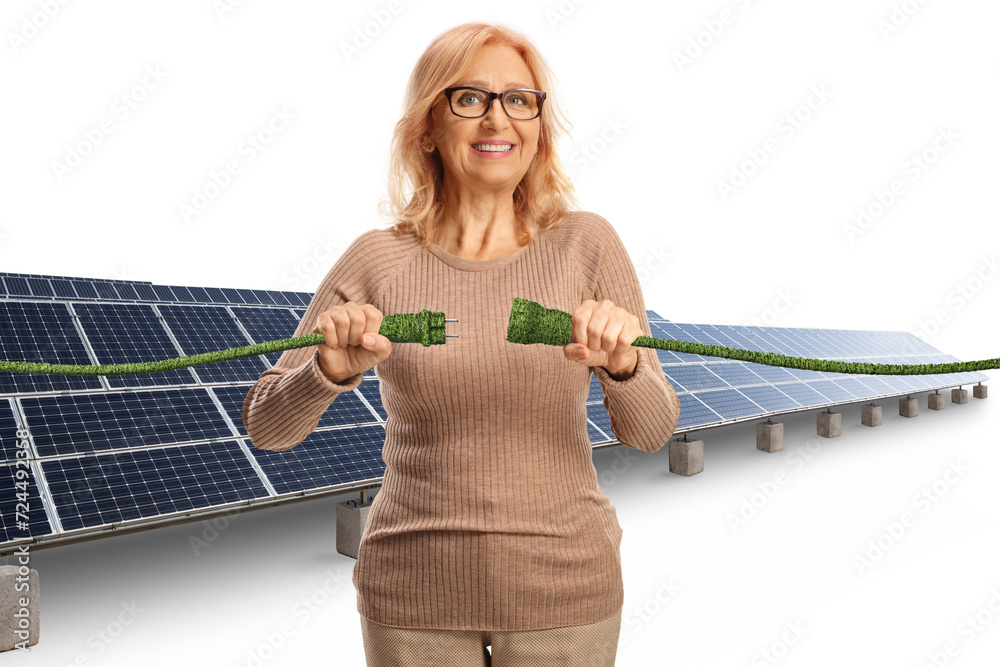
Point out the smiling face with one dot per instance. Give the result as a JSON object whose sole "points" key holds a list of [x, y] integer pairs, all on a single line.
{"points": [[497, 68]]}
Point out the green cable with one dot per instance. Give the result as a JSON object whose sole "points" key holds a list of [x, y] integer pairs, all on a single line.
{"points": [[426, 327], [529, 323], [532, 323]]}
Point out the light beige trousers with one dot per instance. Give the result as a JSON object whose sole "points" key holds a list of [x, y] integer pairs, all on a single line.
{"points": [[592, 645]]}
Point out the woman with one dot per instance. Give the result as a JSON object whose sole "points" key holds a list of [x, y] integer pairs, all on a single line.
{"points": [[490, 528]]}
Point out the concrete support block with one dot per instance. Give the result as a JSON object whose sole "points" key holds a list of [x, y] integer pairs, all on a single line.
{"points": [[935, 401], [770, 437], [959, 395], [19, 609], [907, 406], [871, 415], [828, 424], [352, 516], [686, 458], [979, 391]]}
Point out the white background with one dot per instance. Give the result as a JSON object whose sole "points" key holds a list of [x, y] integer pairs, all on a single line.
{"points": [[668, 101]]}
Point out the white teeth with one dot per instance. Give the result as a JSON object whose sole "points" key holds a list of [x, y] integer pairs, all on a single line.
{"points": [[492, 147]]}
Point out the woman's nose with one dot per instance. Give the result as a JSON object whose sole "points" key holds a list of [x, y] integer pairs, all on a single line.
{"points": [[495, 115]]}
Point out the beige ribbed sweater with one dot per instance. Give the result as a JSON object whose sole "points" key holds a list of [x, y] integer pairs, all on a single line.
{"points": [[490, 516]]}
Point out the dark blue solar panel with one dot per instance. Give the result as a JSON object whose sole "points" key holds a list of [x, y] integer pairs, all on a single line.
{"points": [[736, 373], [294, 298], [63, 288], [347, 409], [164, 293], [875, 385], [740, 337], [127, 291], [832, 391], [772, 374], [8, 432], [669, 357], [232, 295], [802, 393], [599, 415], [181, 292], [802, 374], [729, 403], [595, 393], [899, 383], [596, 435], [17, 286], [694, 412], [721, 335], [369, 388], [695, 333], [769, 398], [41, 333], [146, 292], [923, 381], [692, 377], [40, 287], [264, 296], [232, 402], [853, 386], [250, 297], [267, 324], [325, 458], [85, 289], [98, 490], [81, 424], [105, 290], [18, 489], [130, 333], [199, 294], [201, 329], [216, 295]]}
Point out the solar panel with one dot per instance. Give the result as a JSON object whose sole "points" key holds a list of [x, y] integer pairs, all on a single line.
{"points": [[20, 491], [758, 390], [264, 324], [200, 329], [90, 423], [139, 484], [130, 450], [42, 332], [130, 333], [326, 458]]}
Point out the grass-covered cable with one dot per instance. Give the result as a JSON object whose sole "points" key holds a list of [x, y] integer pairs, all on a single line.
{"points": [[426, 327], [532, 323]]}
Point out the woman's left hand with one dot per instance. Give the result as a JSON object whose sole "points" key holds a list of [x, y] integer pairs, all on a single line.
{"points": [[603, 332]]}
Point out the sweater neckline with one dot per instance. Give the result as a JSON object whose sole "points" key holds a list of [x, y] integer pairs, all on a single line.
{"points": [[464, 264]]}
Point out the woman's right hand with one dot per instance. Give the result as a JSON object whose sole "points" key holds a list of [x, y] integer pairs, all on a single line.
{"points": [[343, 352]]}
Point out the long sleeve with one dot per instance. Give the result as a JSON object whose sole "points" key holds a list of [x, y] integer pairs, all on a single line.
{"points": [[285, 404], [643, 408]]}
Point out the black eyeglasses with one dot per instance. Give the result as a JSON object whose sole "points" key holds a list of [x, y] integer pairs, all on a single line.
{"points": [[471, 102]]}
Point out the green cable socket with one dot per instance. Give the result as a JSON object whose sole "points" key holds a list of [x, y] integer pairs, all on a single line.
{"points": [[426, 327], [532, 323]]}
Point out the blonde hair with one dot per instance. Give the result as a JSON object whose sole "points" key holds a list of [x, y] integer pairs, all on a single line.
{"points": [[545, 193]]}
